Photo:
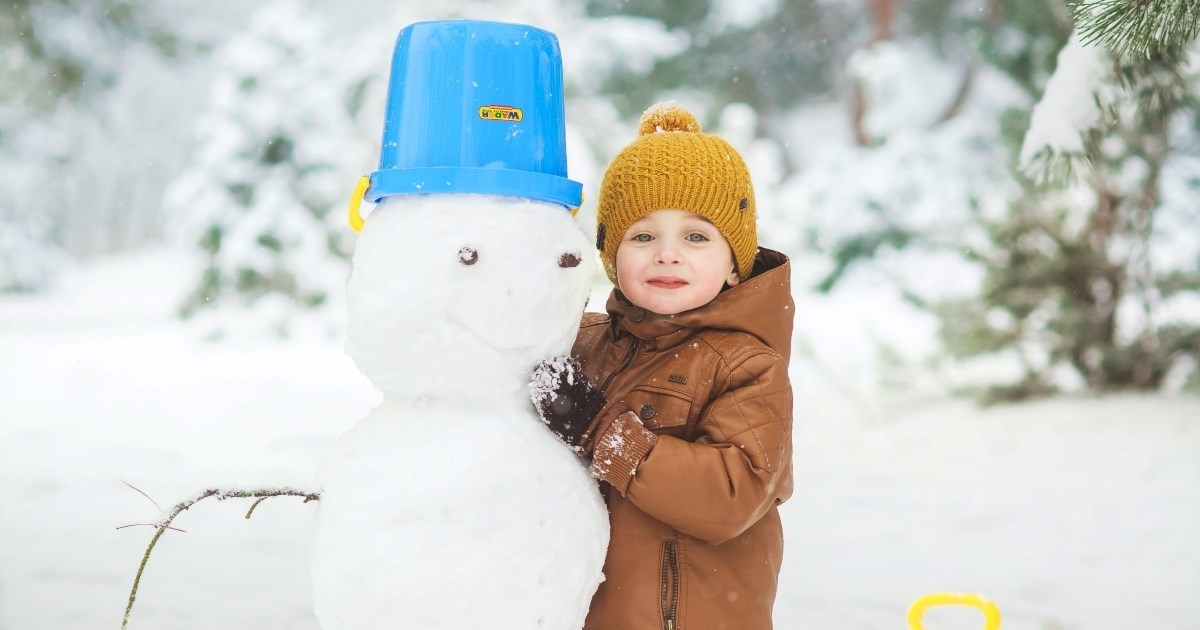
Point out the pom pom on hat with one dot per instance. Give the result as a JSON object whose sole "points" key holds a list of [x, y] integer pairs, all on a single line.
{"points": [[674, 164], [667, 116]]}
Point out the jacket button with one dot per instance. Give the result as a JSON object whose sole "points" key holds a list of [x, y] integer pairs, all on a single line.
{"points": [[646, 412], [637, 314]]}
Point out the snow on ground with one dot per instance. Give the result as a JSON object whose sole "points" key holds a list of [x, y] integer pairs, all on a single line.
{"points": [[1072, 514]]}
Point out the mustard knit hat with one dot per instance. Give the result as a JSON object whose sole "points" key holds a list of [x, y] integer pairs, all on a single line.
{"points": [[672, 164]]}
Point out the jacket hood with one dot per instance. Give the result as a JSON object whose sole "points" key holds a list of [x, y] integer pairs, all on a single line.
{"points": [[760, 305]]}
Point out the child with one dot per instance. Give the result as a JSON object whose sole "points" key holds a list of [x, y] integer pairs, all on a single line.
{"points": [[686, 409]]}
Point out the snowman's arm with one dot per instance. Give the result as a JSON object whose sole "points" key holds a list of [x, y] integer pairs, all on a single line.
{"points": [[719, 485], [259, 494]]}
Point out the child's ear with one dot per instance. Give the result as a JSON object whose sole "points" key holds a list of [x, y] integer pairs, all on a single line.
{"points": [[733, 279]]}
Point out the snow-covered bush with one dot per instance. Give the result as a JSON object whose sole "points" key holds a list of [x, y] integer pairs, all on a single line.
{"points": [[27, 260], [277, 145]]}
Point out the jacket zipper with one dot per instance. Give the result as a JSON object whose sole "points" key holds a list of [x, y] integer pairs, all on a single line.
{"points": [[669, 588], [633, 348]]}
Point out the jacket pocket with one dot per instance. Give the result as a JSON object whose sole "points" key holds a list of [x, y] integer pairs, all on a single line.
{"points": [[669, 586], [663, 411]]}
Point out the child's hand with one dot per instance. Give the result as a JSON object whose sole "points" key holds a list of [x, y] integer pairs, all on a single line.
{"points": [[564, 398]]}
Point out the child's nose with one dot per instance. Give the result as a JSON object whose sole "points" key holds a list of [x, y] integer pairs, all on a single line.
{"points": [[667, 252]]}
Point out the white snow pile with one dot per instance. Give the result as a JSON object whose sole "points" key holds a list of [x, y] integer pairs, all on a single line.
{"points": [[1077, 513]]}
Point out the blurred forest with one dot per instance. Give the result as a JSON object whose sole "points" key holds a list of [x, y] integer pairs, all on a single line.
{"points": [[1019, 205]]}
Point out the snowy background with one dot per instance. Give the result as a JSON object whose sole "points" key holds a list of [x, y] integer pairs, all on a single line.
{"points": [[1072, 513]]}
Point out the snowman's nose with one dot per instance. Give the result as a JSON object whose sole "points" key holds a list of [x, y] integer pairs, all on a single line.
{"points": [[568, 260]]}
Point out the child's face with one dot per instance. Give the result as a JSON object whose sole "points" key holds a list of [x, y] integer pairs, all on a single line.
{"points": [[673, 261]]}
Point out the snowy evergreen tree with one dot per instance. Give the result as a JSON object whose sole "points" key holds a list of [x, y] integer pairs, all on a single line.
{"points": [[1091, 286], [28, 254], [27, 259], [61, 57], [57, 48], [887, 211], [261, 195], [1104, 276], [771, 56], [1139, 29], [294, 119]]}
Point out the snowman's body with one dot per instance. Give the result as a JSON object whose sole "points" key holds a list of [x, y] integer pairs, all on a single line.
{"points": [[451, 506]]}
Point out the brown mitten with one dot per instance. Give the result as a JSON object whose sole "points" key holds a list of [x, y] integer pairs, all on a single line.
{"points": [[565, 399]]}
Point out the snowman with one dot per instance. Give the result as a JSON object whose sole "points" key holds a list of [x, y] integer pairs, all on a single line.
{"points": [[451, 505]]}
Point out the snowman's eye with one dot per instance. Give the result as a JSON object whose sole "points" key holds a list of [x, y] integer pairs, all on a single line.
{"points": [[568, 260], [468, 256]]}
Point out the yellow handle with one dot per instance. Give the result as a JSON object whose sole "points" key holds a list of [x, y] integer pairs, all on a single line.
{"points": [[991, 614], [356, 219], [575, 210]]}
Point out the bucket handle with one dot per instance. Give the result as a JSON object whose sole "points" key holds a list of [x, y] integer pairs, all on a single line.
{"points": [[360, 190], [991, 614]]}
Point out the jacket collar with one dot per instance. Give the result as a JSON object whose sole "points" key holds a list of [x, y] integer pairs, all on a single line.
{"points": [[761, 305]]}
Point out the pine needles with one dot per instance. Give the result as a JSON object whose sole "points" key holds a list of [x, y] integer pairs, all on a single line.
{"points": [[1138, 28]]}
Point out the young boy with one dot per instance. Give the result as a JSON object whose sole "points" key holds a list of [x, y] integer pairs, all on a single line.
{"points": [[686, 408]]}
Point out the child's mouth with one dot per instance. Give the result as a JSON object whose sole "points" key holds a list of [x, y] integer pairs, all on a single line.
{"points": [[666, 283]]}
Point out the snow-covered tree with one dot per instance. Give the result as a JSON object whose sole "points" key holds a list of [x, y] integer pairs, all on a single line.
{"points": [[1101, 276], [769, 55], [57, 48], [27, 259], [28, 254], [294, 119], [63, 61], [1139, 28], [278, 142], [1093, 286]]}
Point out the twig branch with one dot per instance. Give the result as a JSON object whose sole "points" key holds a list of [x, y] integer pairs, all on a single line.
{"points": [[139, 491], [164, 524], [174, 529], [255, 504]]}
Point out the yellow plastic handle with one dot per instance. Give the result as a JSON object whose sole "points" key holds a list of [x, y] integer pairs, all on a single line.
{"points": [[991, 614], [356, 219]]}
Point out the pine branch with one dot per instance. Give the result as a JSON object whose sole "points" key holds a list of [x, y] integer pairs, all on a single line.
{"points": [[1138, 28], [165, 523], [1051, 168]]}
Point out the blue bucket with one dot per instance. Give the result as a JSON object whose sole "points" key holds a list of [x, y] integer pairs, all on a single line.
{"points": [[475, 107]]}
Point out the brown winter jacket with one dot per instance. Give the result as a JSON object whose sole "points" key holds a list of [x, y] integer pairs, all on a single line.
{"points": [[696, 537]]}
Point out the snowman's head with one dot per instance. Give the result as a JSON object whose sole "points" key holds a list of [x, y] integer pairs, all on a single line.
{"points": [[460, 295]]}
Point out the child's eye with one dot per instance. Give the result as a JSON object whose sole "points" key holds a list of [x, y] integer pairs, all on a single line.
{"points": [[642, 238], [697, 237]]}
